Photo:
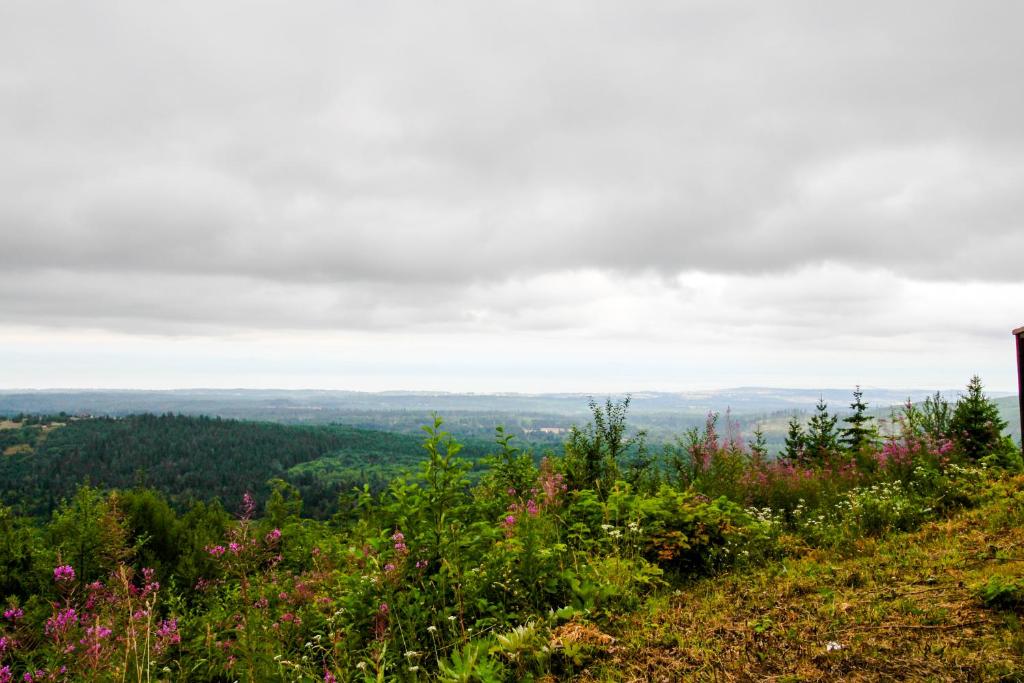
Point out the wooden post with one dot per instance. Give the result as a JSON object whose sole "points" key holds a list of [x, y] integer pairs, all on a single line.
{"points": [[1019, 334]]}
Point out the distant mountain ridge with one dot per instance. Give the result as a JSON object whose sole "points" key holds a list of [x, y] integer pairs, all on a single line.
{"points": [[538, 418], [303, 404]]}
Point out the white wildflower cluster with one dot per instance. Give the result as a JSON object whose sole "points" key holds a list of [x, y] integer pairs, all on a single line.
{"points": [[766, 516], [611, 530]]}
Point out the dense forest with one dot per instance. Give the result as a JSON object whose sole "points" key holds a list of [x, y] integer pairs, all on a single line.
{"points": [[586, 564], [198, 458]]}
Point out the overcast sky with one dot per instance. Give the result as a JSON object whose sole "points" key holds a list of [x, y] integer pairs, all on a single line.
{"points": [[521, 196]]}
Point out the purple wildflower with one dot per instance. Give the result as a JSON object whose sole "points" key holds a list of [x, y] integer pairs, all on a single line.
{"points": [[248, 506], [60, 623], [63, 573], [167, 634]]}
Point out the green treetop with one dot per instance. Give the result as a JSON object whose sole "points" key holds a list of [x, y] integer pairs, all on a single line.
{"points": [[861, 433], [759, 444], [822, 437], [796, 441], [976, 425]]}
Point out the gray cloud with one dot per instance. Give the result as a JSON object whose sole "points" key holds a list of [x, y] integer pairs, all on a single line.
{"points": [[391, 165]]}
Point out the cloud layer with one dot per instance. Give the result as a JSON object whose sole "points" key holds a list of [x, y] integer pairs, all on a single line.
{"points": [[586, 168]]}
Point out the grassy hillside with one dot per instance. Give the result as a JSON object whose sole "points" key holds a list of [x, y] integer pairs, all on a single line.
{"points": [[943, 604]]}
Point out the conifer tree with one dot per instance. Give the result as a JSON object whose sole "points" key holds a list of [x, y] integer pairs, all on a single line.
{"points": [[861, 433], [976, 425], [759, 444], [822, 437], [796, 441]]}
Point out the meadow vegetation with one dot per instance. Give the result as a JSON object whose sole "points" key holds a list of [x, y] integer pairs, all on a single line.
{"points": [[851, 555]]}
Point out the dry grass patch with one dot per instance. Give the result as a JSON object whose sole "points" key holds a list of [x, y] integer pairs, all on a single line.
{"points": [[18, 449]]}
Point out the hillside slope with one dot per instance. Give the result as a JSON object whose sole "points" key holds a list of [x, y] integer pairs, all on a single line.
{"points": [[910, 607]]}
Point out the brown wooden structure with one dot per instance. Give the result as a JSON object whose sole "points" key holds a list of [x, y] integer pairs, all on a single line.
{"points": [[1019, 334]]}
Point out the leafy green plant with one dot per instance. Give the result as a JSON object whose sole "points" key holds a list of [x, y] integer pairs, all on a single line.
{"points": [[1002, 592], [471, 664]]}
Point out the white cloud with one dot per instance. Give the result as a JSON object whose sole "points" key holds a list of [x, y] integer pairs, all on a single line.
{"points": [[672, 178]]}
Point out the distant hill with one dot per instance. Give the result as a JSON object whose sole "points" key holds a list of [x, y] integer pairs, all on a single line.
{"points": [[1009, 407], [663, 414], [326, 406]]}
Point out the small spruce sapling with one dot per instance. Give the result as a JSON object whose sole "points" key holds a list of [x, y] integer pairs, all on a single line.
{"points": [[822, 437], [796, 441], [861, 434]]}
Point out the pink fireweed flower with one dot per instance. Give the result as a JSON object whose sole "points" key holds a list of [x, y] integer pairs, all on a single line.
{"points": [[13, 614], [235, 548], [380, 621], [150, 586], [57, 625], [551, 483], [329, 677], [273, 536], [5, 645], [96, 632], [63, 573], [531, 507], [248, 506], [399, 538], [93, 640], [216, 550], [421, 564], [5, 674], [389, 567], [167, 634]]}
